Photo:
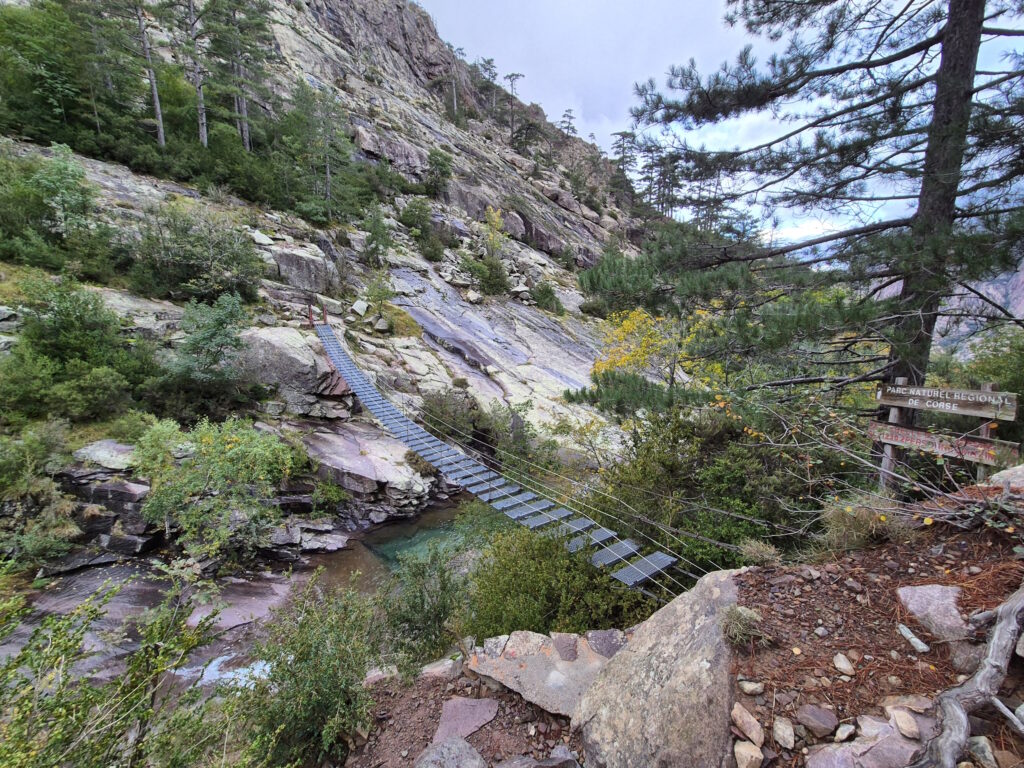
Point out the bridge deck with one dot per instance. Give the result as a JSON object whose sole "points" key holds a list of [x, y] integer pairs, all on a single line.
{"points": [[525, 506]]}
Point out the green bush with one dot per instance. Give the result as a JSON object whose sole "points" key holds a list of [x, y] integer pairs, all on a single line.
{"points": [[38, 451], [90, 393], [416, 215], [622, 394], [432, 248], [439, 171], [188, 252], [419, 607], [26, 379], [494, 280], [529, 581], [214, 494], [452, 413], [546, 298], [311, 699], [378, 240]]}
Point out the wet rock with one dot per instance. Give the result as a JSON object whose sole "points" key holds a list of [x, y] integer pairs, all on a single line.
{"points": [[818, 720], [461, 717], [75, 561], [674, 670], [452, 753], [126, 544]]}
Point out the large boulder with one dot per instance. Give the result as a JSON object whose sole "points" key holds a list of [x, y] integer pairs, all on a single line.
{"points": [[293, 362], [371, 466], [151, 318], [664, 699], [305, 266]]}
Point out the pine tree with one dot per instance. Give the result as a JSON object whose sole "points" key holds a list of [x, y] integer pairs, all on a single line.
{"points": [[887, 109], [241, 43], [512, 78], [188, 21]]}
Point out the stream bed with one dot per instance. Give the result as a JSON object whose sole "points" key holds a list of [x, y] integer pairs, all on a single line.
{"points": [[367, 562]]}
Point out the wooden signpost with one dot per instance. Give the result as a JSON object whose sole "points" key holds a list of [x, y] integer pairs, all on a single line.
{"points": [[981, 449]]}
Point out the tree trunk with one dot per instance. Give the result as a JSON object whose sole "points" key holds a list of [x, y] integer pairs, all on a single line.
{"points": [[925, 280], [242, 109], [197, 73], [158, 114]]}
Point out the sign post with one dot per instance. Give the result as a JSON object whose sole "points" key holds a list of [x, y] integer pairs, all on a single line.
{"points": [[982, 450]]}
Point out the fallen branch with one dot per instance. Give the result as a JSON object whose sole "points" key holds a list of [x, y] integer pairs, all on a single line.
{"points": [[981, 688]]}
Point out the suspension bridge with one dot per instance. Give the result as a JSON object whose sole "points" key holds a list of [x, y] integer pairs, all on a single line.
{"points": [[525, 505]]}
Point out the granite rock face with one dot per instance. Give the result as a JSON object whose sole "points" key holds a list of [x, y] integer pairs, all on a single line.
{"points": [[293, 362], [665, 699]]}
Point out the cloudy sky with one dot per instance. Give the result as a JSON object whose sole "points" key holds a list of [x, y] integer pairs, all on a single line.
{"points": [[587, 54]]}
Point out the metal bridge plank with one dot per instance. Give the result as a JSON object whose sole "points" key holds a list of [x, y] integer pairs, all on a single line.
{"points": [[640, 571]]}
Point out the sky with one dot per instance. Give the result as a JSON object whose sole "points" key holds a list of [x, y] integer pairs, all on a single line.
{"points": [[587, 54]]}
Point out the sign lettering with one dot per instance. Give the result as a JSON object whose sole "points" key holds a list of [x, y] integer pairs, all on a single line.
{"points": [[966, 402], [976, 449]]}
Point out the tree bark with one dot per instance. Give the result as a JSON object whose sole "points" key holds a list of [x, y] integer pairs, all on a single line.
{"points": [[925, 277], [147, 52], [197, 73]]}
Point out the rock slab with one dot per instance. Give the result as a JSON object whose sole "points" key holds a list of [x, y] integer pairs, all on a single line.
{"points": [[461, 717], [452, 753], [551, 672], [665, 699]]}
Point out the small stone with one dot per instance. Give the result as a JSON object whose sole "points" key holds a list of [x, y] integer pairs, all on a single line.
{"points": [[918, 645], [894, 681], [751, 687], [782, 732], [747, 724], [905, 722], [980, 750], [474, 297], [821, 632], [854, 586], [818, 720], [843, 664], [747, 755], [845, 732], [974, 570]]}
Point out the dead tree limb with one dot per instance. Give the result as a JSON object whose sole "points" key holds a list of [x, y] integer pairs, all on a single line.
{"points": [[981, 688]]}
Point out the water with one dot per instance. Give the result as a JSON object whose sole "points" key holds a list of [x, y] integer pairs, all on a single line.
{"points": [[369, 562]]}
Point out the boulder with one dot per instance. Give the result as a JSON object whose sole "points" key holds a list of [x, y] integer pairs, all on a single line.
{"points": [[1013, 477], [665, 698], [551, 672], [292, 362], [108, 454], [934, 606], [259, 238], [304, 266], [371, 466], [151, 318], [453, 753]]}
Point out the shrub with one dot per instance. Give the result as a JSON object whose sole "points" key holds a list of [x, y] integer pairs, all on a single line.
{"points": [[328, 496], [860, 520], [419, 465], [419, 606], [742, 626], [37, 452], [213, 495], [311, 699], [622, 393], [527, 581], [494, 279], [439, 171], [432, 248], [65, 323], [546, 298], [416, 215], [757, 552], [452, 413], [89, 393], [188, 252], [26, 379], [378, 240], [519, 446]]}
